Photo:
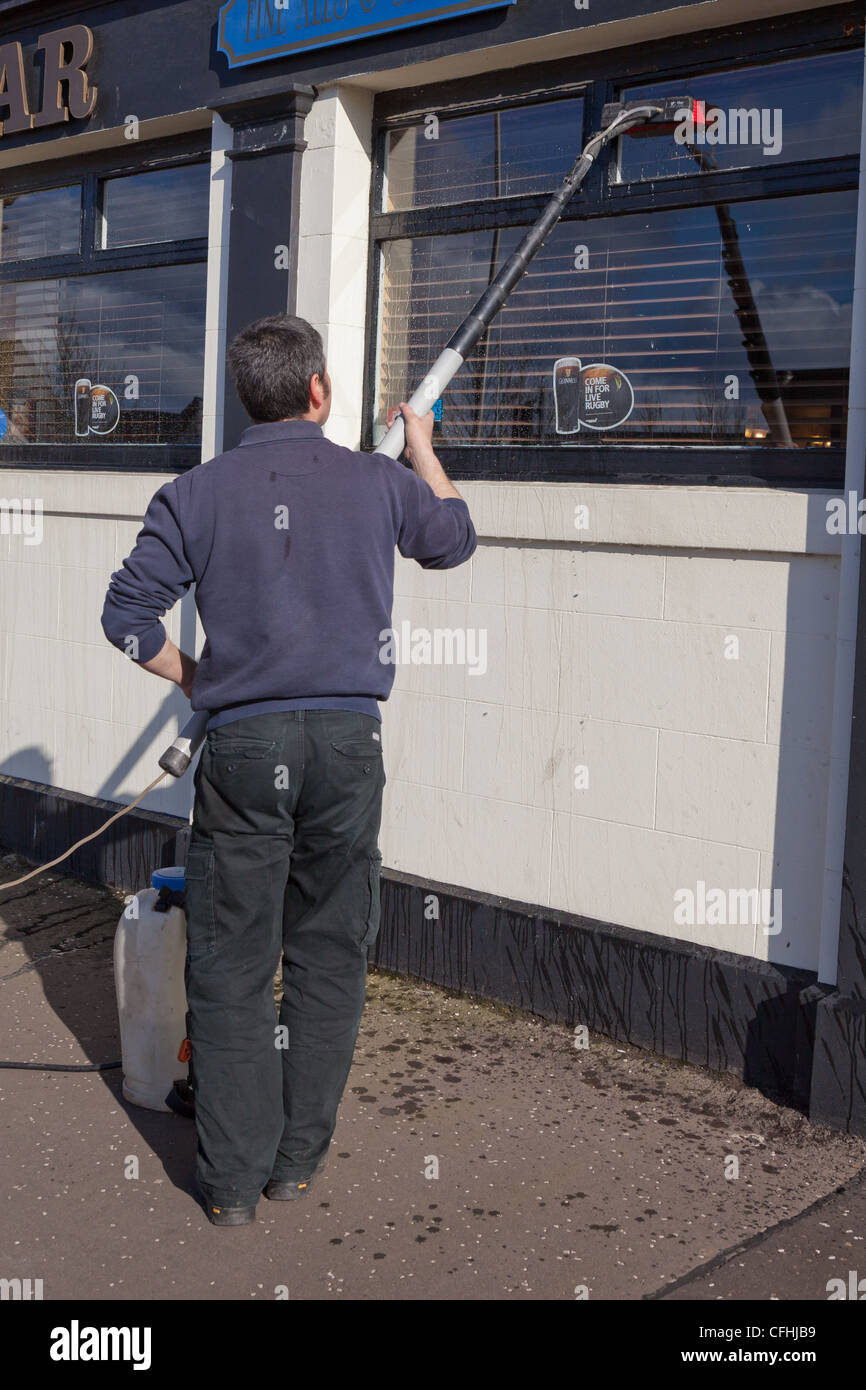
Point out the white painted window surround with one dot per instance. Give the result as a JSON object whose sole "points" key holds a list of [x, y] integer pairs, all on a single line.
{"points": [[334, 243]]}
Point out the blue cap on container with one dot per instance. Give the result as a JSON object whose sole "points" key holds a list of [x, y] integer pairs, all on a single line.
{"points": [[174, 878]]}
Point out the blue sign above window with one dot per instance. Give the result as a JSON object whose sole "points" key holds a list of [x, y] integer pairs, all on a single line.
{"points": [[252, 31]]}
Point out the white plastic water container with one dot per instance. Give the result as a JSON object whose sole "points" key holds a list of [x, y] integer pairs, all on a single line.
{"points": [[149, 958]]}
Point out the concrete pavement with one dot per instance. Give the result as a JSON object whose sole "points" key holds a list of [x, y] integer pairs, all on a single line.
{"points": [[479, 1155]]}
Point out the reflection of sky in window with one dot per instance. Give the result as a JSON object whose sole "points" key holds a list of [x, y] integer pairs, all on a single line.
{"points": [[654, 302], [819, 99], [40, 224], [538, 145], [146, 323], [132, 324], [165, 205]]}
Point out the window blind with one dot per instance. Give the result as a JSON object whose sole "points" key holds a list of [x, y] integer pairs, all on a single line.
{"points": [[653, 296]]}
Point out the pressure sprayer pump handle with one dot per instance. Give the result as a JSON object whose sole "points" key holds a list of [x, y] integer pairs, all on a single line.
{"points": [[178, 757]]}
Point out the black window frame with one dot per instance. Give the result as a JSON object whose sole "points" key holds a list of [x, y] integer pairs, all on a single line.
{"points": [[90, 172], [749, 45]]}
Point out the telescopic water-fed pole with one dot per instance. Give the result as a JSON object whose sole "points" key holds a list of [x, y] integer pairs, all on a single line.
{"points": [[617, 119]]}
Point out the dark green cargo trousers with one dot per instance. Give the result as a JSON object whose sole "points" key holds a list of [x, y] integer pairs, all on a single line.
{"points": [[283, 857]]}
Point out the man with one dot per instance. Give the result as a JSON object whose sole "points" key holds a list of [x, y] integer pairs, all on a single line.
{"points": [[290, 541]]}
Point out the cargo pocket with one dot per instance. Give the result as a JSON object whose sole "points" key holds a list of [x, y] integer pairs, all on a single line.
{"points": [[235, 756], [242, 746], [374, 904], [362, 755], [199, 900]]}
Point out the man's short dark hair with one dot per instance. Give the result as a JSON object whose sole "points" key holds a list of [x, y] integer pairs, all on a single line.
{"points": [[272, 361]]}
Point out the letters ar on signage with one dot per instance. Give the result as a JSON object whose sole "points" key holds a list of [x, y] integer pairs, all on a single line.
{"points": [[66, 88]]}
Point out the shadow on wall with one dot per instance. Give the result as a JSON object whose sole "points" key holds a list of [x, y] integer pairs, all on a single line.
{"points": [[60, 817], [772, 798], [55, 818]]}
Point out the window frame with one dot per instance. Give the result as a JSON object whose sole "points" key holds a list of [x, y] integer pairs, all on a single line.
{"points": [[90, 173], [751, 45]]}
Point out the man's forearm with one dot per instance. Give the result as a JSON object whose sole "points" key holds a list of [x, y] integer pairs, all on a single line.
{"points": [[173, 665], [419, 451], [428, 467]]}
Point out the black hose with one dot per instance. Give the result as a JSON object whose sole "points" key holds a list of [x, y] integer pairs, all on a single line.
{"points": [[57, 1066], [487, 307]]}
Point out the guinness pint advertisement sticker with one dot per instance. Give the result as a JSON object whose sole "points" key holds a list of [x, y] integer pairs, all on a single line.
{"points": [[97, 409], [597, 397]]}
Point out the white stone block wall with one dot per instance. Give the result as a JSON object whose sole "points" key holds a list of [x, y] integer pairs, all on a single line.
{"points": [[692, 682], [75, 712], [606, 654]]}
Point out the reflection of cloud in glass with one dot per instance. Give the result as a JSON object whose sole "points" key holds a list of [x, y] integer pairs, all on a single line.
{"points": [[803, 325], [139, 329]]}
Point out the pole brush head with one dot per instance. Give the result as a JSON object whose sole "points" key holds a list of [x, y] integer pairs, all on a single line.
{"points": [[671, 112]]}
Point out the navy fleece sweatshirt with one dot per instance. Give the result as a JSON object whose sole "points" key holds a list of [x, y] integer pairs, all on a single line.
{"points": [[289, 540]]}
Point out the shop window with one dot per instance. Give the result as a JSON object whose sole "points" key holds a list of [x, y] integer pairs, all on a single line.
{"points": [[698, 327], [40, 224], [167, 205], [808, 108], [103, 285], [136, 333], [655, 302], [497, 154]]}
